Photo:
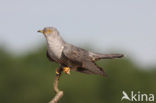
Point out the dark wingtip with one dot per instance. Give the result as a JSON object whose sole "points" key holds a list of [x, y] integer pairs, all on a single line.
{"points": [[104, 74]]}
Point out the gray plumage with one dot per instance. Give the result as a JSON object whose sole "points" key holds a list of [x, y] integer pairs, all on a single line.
{"points": [[71, 56]]}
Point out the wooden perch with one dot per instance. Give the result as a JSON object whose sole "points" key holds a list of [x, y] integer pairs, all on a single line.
{"points": [[59, 93]]}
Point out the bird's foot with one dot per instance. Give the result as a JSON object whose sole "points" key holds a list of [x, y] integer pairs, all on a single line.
{"points": [[57, 72], [66, 70]]}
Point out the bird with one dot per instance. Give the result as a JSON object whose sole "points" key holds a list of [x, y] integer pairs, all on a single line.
{"points": [[71, 57]]}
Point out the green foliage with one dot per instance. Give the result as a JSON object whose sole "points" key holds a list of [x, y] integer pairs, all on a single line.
{"points": [[29, 79]]}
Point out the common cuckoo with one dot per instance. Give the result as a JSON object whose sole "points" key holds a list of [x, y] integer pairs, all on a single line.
{"points": [[72, 57]]}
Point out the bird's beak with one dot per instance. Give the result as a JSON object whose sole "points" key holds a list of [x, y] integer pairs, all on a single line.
{"points": [[41, 31]]}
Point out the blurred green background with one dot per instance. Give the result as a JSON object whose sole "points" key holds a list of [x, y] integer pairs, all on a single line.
{"points": [[29, 79]]}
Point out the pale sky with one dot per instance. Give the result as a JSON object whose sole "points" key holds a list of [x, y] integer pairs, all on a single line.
{"points": [[125, 25]]}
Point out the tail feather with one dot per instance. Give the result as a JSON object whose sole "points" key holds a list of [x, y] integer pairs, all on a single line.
{"points": [[108, 56], [97, 56]]}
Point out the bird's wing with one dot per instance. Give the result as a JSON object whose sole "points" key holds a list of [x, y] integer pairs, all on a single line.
{"points": [[81, 57], [49, 58], [75, 54], [93, 68]]}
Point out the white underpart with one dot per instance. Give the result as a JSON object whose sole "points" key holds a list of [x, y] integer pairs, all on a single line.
{"points": [[55, 46]]}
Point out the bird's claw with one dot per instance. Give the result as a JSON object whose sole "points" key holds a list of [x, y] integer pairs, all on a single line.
{"points": [[66, 70], [57, 72]]}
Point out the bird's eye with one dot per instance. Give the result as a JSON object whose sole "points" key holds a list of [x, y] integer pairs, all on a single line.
{"points": [[49, 31]]}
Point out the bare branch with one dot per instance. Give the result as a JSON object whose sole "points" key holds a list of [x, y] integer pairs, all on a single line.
{"points": [[59, 93]]}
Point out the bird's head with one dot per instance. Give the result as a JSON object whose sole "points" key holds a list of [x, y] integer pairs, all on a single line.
{"points": [[48, 31]]}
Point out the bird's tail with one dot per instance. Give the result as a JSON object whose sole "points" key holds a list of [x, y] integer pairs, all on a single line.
{"points": [[98, 56]]}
